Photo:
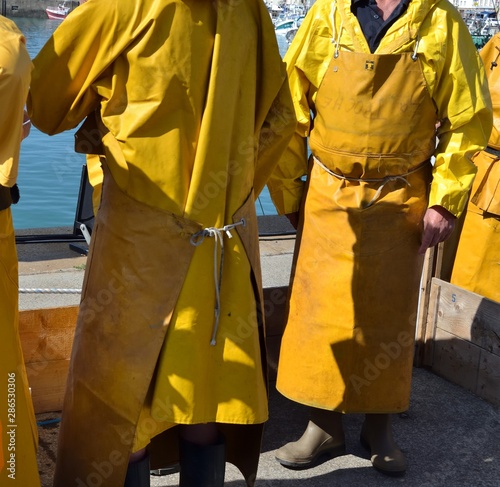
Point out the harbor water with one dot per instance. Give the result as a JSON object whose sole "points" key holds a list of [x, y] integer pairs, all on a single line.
{"points": [[50, 170]]}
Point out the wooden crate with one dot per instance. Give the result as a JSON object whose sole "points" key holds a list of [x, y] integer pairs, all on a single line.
{"points": [[462, 342], [46, 339], [459, 339]]}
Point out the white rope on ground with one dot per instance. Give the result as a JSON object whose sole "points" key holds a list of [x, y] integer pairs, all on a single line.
{"points": [[26, 290]]}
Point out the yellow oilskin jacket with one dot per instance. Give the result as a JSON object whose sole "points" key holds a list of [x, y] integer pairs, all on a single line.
{"points": [[476, 266], [462, 101], [15, 67], [490, 54], [195, 111], [18, 433]]}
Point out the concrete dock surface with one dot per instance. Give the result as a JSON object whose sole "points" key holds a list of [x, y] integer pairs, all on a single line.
{"points": [[450, 436]]}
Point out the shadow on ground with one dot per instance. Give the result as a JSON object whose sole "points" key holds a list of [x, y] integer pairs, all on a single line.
{"points": [[449, 435]]}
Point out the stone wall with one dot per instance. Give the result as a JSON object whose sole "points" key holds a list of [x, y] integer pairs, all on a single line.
{"points": [[29, 8]]}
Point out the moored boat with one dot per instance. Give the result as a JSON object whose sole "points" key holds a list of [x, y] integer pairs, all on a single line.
{"points": [[58, 13]]}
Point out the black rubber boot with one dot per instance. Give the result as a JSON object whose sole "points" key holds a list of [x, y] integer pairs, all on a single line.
{"points": [[138, 474], [376, 437], [202, 466]]}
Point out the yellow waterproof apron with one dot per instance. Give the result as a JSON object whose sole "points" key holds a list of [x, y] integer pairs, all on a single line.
{"points": [[348, 342], [19, 436], [477, 261], [137, 264]]}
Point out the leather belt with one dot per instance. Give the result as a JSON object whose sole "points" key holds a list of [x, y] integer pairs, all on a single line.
{"points": [[8, 196], [5, 197], [490, 150]]}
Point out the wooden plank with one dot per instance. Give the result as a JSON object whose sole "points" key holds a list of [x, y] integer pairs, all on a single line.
{"points": [[438, 258], [469, 316], [47, 334], [488, 382], [423, 308], [46, 339], [456, 360], [430, 330], [466, 343], [48, 383]]}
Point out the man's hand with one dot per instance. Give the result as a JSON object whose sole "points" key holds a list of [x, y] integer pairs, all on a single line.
{"points": [[293, 218], [438, 225]]}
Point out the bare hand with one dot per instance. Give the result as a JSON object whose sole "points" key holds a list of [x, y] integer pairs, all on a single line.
{"points": [[293, 218], [438, 226]]}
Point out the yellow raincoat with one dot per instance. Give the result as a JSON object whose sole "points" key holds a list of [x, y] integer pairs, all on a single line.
{"points": [[348, 342], [18, 433], [477, 262], [194, 111]]}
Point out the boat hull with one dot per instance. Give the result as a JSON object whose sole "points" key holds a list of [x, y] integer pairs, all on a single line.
{"points": [[54, 14]]}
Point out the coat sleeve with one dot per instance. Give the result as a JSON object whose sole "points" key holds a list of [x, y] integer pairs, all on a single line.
{"points": [[15, 68], [464, 109], [275, 104], [78, 53], [286, 184]]}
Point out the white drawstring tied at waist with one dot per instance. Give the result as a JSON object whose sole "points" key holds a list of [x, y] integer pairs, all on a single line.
{"points": [[383, 181], [217, 233]]}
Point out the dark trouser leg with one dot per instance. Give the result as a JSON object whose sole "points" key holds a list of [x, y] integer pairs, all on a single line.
{"points": [[138, 473], [376, 436], [202, 465]]}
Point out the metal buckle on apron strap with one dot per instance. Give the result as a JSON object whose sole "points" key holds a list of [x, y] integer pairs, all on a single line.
{"points": [[383, 181], [217, 233]]}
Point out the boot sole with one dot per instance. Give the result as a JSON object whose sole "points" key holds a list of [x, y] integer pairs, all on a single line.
{"points": [[389, 473], [338, 451]]}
